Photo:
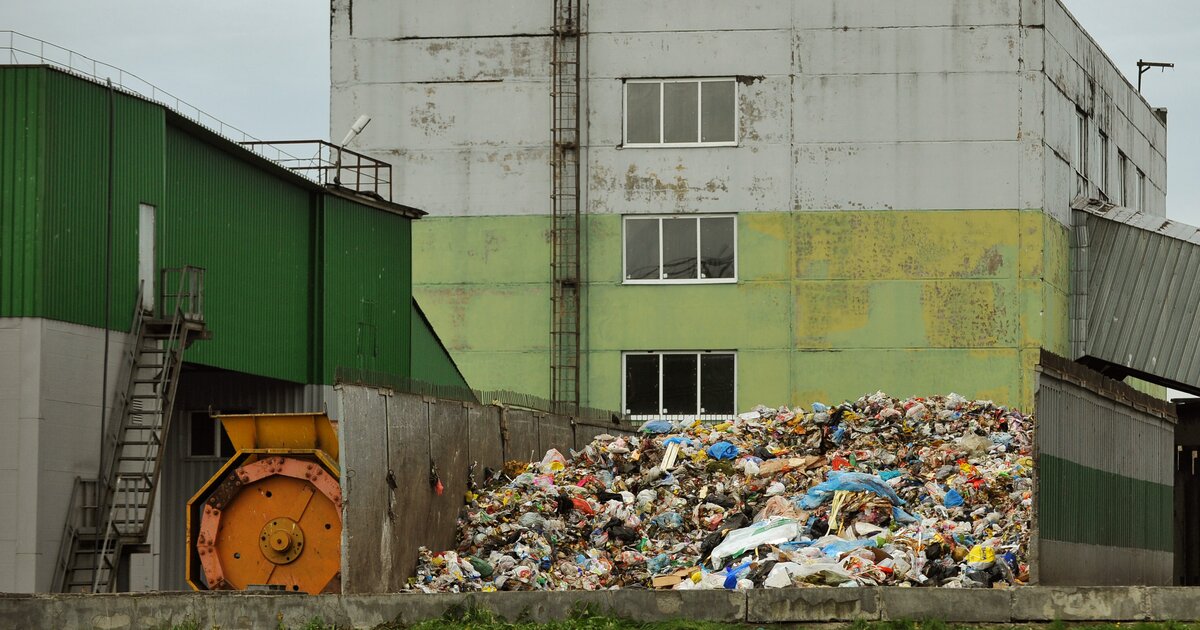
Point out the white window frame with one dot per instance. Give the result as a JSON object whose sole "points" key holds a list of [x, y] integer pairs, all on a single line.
{"points": [[1140, 189], [1105, 148], [1122, 179], [703, 417], [699, 114], [660, 280]]}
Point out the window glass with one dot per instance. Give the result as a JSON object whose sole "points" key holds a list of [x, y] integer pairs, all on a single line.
{"points": [[1140, 191], [641, 249], [716, 383], [1122, 190], [641, 384], [1103, 181], [203, 434], [716, 247], [680, 101], [642, 112], [679, 248], [717, 103], [679, 383]]}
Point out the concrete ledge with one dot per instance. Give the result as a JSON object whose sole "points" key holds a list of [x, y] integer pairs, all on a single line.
{"points": [[786, 605], [235, 611], [1083, 603], [947, 604]]}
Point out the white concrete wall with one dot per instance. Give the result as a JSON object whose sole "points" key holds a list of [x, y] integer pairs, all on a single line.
{"points": [[1078, 75], [50, 384], [846, 104]]}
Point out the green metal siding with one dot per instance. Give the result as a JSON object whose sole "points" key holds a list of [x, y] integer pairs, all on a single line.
{"points": [[22, 129], [367, 287], [73, 224], [1084, 505], [250, 230], [431, 362]]}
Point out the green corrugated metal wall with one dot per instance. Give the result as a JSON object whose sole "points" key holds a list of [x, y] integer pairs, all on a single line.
{"points": [[1084, 505], [250, 231], [431, 362], [298, 282], [22, 96], [77, 137], [367, 288]]}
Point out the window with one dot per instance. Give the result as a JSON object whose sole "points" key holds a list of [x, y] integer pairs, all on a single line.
{"points": [[688, 384], [208, 438], [1122, 180], [1139, 191], [1079, 155], [680, 112], [680, 249], [1102, 182]]}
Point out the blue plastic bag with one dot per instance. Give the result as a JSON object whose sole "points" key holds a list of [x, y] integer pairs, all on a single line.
{"points": [[836, 549], [682, 441], [657, 426], [952, 499], [852, 481], [723, 450], [731, 576], [819, 408], [888, 475], [900, 516]]}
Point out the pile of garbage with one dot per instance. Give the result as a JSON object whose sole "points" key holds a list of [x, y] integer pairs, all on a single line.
{"points": [[922, 492]]}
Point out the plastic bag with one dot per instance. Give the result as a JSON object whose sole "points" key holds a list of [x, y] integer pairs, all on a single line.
{"points": [[952, 499], [723, 450], [657, 426], [852, 481], [772, 531]]}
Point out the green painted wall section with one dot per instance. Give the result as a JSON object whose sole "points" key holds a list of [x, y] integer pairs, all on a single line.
{"points": [[431, 361], [367, 289], [829, 305], [1084, 505], [250, 230], [22, 188], [484, 283]]}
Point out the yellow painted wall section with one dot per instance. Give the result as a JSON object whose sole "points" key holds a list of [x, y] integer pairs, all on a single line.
{"points": [[828, 305]]}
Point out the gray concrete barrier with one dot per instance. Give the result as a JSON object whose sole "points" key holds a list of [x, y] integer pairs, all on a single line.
{"points": [[235, 611]]}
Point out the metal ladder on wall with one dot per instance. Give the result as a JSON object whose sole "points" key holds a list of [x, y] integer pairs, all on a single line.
{"points": [[112, 514], [565, 324]]}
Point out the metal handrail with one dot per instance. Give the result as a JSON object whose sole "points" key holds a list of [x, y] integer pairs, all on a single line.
{"points": [[22, 49], [330, 161]]}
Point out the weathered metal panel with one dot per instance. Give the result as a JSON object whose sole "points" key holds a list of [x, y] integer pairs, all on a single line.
{"points": [[252, 232], [183, 474], [484, 441], [22, 162], [448, 451], [367, 289], [367, 520], [1105, 478], [555, 432], [521, 435], [408, 458], [1141, 300]]}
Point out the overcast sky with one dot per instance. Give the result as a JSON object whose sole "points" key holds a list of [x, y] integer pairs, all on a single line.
{"points": [[263, 65]]}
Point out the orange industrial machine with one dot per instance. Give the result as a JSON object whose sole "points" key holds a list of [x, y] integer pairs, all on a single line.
{"points": [[272, 515]]}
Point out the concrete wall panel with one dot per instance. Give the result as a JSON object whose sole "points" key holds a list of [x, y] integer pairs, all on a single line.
{"points": [[907, 107], [555, 432], [830, 14], [442, 18], [707, 179], [522, 439], [442, 60], [485, 446], [449, 439], [929, 175], [633, 16], [363, 440], [904, 50], [409, 457], [689, 54]]}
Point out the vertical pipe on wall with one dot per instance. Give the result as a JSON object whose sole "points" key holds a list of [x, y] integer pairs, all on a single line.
{"points": [[101, 478]]}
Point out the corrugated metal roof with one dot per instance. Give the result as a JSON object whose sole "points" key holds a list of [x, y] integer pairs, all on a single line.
{"points": [[1137, 290]]}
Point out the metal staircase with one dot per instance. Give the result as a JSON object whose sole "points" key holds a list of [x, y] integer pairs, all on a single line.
{"points": [[111, 515], [565, 325]]}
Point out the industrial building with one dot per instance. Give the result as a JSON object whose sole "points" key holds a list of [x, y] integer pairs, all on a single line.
{"points": [[125, 222], [684, 208]]}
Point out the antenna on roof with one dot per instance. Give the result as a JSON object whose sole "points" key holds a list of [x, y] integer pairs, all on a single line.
{"points": [[1144, 66]]}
